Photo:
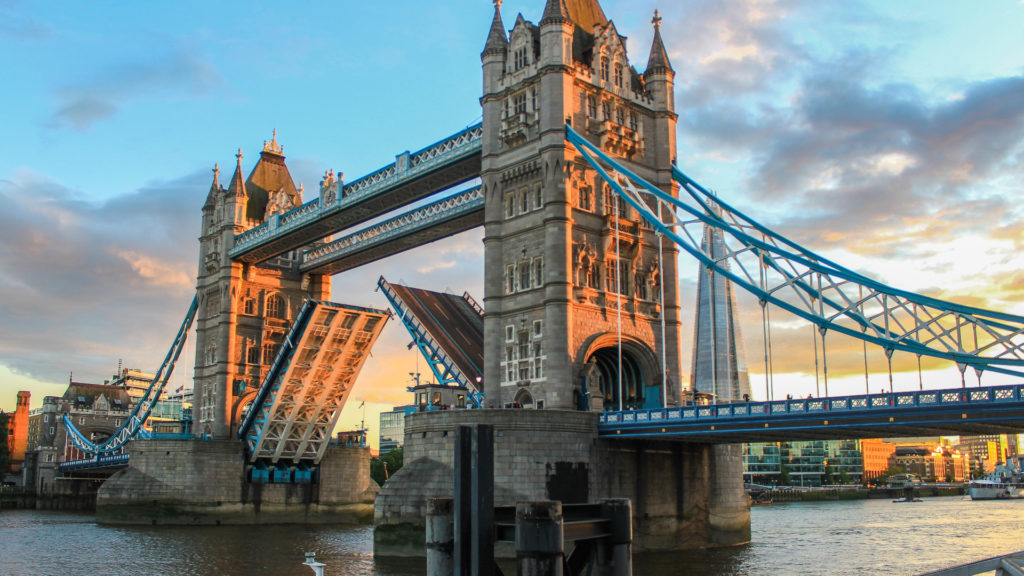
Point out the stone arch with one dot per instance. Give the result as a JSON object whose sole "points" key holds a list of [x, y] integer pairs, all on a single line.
{"points": [[640, 370], [524, 398], [241, 408]]}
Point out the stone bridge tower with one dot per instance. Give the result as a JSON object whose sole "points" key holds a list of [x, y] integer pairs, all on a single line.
{"points": [[568, 265], [245, 310]]}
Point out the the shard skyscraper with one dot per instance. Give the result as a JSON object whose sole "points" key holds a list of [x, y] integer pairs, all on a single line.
{"points": [[719, 362]]}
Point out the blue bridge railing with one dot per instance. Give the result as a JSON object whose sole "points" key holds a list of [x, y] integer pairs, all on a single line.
{"points": [[865, 403]]}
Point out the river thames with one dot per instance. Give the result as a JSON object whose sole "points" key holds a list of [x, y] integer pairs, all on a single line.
{"points": [[826, 538]]}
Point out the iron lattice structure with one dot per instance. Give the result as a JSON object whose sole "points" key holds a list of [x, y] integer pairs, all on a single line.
{"points": [[133, 425], [779, 271], [301, 398]]}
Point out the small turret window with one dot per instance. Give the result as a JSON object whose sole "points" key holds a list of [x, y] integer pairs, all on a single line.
{"points": [[604, 68], [618, 75]]}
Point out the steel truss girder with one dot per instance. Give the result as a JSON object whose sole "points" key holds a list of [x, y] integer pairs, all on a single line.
{"points": [[443, 367], [413, 176], [446, 217], [144, 407], [779, 271], [301, 398]]}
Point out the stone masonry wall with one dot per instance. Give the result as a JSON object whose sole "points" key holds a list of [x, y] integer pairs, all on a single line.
{"points": [[556, 455], [203, 482]]}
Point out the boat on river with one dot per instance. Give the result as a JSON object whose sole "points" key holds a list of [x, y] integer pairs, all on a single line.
{"points": [[1004, 482]]}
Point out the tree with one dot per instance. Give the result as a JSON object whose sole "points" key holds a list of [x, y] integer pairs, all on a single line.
{"points": [[829, 479], [784, 475], [844, 477], [384, 467], [5, 455]]}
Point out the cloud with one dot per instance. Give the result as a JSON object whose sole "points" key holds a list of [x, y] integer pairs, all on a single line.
{"points": [[86, 283], [184, 73]]}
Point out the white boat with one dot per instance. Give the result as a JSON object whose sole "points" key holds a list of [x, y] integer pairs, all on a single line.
{"points": [[1003, 483]]}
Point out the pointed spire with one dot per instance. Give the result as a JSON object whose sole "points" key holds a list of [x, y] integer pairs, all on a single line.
{"points": [[555, 12], [497, 42], [237, 186], [211, 198], [658, 62]]}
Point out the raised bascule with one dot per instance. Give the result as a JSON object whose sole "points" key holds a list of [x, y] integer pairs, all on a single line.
{"points": [[574, 356]]}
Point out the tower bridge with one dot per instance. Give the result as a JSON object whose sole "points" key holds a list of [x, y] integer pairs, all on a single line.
{"points": [[584, 215]]}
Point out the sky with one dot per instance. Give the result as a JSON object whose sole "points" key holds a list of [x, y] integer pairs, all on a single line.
{"points": [[888, 136]]}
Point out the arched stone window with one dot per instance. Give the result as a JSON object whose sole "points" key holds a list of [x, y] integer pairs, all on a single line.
{"points": [[275, 307], [524, 398]]}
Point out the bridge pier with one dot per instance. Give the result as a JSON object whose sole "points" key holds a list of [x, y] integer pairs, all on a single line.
{"points": [[204, 482], [683, 495]]}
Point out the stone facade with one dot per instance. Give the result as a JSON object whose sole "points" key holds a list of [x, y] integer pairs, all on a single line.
{"points": [[562, 255], [245, 310], [683, 495], [194, 482]]}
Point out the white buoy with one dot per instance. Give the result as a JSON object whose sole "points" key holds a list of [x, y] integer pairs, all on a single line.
{"points": [[318, 567]]}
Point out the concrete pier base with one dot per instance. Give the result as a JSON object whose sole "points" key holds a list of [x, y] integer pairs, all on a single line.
{"points": [[684, 496], [203, 482]]}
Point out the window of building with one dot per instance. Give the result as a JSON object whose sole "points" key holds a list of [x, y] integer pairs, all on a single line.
{"points": [[519, 58], [604, 68], [584, 197], [524, 275], [509, 333], [632, 121], [268, 353], [211, 354], [592, 106], [618, 75], [249, 306], [538, 196], [519, 103], [620, 116], [275, 307], [538, 328], [252, 355], [538, 369], [533, 99], [510, 279], [524, 201], [460, 400], [538, 272], [46, 417], [606, 110], [524, 345], [510, 205]]}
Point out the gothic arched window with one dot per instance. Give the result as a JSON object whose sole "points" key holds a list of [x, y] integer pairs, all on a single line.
{"points": [[275, 307]]}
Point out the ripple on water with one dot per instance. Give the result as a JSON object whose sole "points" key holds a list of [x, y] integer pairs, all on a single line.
{"points": [[812, 538]]}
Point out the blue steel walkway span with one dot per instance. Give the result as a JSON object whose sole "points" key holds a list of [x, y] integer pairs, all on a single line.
{"points": [[967, 411], [441, 219], [413, 176]]}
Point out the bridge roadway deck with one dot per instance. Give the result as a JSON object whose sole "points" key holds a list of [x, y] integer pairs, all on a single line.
{"points": [[452, 322], [958, 411], [448, 163]]}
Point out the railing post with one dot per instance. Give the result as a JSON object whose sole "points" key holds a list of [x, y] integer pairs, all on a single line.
{"points": [[540, 546], [440, 537]]}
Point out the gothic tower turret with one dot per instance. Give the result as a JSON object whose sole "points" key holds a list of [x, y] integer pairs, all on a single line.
{"points": [[571, 271], [244, 309]]}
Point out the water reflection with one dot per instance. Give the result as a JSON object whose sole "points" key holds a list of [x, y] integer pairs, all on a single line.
{"points": [[827, 538]]}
